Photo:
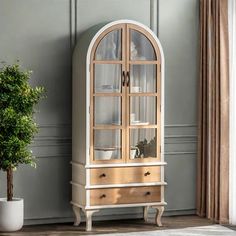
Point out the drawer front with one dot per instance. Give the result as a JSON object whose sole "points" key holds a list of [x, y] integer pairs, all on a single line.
{"points": [[125, 175], [125, 195]]}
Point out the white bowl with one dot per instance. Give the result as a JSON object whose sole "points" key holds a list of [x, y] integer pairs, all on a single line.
{"points": [[102, 154]]}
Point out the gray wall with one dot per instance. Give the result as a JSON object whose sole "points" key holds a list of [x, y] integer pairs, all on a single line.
{"points": [[42, 34]]}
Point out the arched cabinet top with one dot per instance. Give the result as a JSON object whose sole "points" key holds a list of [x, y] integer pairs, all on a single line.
{"points": [[90, 41]]}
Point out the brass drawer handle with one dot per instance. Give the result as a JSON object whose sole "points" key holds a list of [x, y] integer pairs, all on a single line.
{"points": [[148, 193], [147, 173], [103, 196], [102, 175]]}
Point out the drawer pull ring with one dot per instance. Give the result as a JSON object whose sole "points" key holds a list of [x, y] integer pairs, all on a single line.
{"points": [[102, 175], [103, 196], [148, 193], [147, 173]]}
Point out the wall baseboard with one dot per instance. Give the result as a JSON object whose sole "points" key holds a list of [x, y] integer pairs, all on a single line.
{"points": [[58, 220]]}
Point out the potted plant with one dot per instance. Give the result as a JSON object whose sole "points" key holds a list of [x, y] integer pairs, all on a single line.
{"points": [[147, 149], [17, 129]]}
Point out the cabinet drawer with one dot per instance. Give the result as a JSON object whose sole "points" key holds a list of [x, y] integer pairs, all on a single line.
{"points": [[125, 195], [125, 175]]}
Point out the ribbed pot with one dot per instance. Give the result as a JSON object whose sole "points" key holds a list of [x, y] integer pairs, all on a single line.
{"points": [[11, 214]]}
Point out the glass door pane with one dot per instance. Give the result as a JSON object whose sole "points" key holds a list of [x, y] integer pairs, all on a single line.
{"points": [[107, 78], [107, 145], [142, 110], [109, 47], [143, 78], [107, 110], [143, 143], [140, 47], [108, 98]]}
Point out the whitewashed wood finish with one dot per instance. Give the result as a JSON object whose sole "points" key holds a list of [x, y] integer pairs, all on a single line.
{"points": [[77, 210], [160, 210], [126, 185], [79, 112], [127, 205], [81, 178], [78, 194], [81, 130], [145, 213], [127, 164], [88, 216]]}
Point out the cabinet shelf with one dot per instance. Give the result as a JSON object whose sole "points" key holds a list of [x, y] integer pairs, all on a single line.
{"points": [[143, 94], [143, 126], [106, 148], [104, 127], [107, 94], [107, 62], [143, 62]]}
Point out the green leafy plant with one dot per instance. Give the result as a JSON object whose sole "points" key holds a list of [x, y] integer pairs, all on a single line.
{"points": [[147, 149], [17, 125]]}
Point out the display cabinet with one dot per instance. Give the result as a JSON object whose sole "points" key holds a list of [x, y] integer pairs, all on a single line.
{"points": [[118, 120]]}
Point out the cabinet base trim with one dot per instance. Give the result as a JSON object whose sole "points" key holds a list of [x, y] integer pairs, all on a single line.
{"points": [[119, 205], [125, 165], [126, 205], [125, 185]]}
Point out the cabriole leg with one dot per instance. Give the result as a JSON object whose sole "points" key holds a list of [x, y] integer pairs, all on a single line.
{"points": [[88, 215], [160, 210], [145, 213], [77, 211]]}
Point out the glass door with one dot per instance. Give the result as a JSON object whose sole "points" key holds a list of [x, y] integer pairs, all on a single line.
{"points": [[107, 99], [125, 97], [143, 95]]}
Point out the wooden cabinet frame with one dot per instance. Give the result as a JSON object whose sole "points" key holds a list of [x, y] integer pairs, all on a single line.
{"points": [[84, 183]]}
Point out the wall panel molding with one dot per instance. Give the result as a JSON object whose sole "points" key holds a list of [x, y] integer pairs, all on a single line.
{"points": [[73, 24], [154, 16], [108, 217]]}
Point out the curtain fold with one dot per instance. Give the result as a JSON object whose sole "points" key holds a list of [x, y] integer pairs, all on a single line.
{"points": [[213, 120], [232, 75]]}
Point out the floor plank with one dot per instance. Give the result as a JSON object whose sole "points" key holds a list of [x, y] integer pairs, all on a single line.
{"points": [[118, 226]]}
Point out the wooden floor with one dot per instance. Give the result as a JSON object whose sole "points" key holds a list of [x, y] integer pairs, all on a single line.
{"points": [[118, 226]]}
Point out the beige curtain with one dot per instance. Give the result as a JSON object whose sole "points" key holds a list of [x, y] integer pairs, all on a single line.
{"points": [[213, 133]]}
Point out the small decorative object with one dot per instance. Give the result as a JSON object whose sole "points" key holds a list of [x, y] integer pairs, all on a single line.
{"points": [[134, 52], [134, 152], [17, 129], [107, 86], [103, 154], [132, 118], [136, 89]]}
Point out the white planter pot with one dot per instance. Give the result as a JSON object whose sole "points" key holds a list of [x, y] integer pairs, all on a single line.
{"points": [[11, 214]]}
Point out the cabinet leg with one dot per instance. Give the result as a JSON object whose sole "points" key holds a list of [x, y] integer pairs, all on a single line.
{"points": [[160, 210], [88, 215], [77, 211], [145, 213]]}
